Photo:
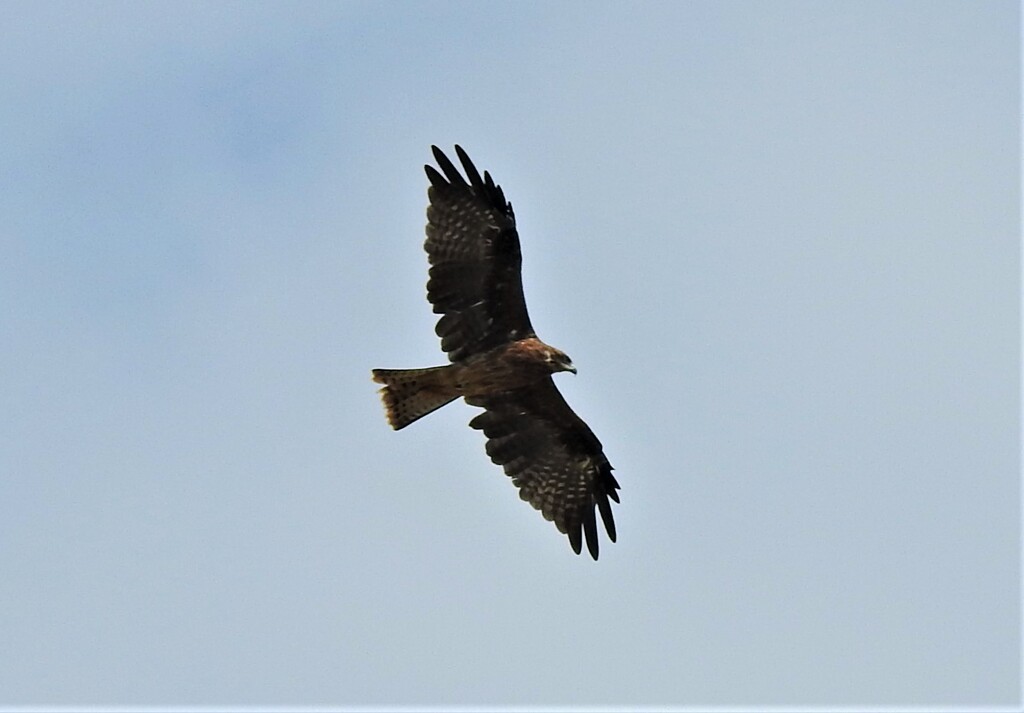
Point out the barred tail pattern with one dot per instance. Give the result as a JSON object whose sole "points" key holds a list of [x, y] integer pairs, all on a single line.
{"points": [[410, 394]]}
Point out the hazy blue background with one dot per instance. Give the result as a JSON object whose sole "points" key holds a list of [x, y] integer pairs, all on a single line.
{"points": [[779, 239]]}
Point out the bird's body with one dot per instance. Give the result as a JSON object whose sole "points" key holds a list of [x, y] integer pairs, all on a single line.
{"points": [[502, 369], [498, 362]]}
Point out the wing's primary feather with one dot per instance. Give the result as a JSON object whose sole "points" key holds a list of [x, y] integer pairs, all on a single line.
{"points": [[553, 458], [475, 279]]}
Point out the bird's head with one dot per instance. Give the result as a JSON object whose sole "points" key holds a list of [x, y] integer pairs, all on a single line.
{"points": [[558, 361]]}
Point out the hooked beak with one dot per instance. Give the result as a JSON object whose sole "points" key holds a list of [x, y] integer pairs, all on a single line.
{"points": [[570, 368]]}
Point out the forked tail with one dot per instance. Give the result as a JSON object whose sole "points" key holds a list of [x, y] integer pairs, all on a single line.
{"points": [[410, 394]]}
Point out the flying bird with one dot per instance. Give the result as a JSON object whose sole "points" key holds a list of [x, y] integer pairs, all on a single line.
{"points": [[497, 361]]}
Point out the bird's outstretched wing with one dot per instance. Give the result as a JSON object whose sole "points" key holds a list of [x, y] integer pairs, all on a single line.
{"points": [[475, 281], [553, 458]]}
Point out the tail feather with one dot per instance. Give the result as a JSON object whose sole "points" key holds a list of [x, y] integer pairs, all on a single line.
{"points": [[410, 394]]}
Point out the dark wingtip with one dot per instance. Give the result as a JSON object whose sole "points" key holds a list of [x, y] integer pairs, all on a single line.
{"points": [[467, 164], [471, 172], [590, 528], [435, 178], [575, 537], [611, 485], [448, 168], [606, 517]]}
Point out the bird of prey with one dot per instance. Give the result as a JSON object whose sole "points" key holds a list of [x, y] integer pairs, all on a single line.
{"points": [[497, 361]]}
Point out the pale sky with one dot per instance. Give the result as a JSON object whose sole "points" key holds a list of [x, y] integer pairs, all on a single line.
{"points": [[780, 241]]}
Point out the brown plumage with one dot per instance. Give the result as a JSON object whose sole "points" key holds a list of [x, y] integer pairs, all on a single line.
{"points": [[498, 363]]}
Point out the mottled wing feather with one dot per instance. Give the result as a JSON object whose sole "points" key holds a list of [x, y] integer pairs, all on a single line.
{"points": [[553, 458], [475, 281]]}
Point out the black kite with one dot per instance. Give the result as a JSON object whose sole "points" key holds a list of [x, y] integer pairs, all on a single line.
{"points": [[498, 362]]}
